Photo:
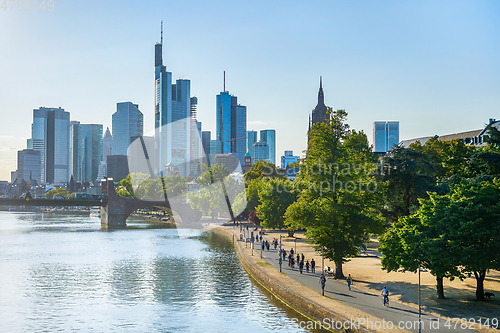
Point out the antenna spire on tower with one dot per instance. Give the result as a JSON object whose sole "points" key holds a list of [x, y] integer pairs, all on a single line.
{"points": [[224, 81], [161, 40]]}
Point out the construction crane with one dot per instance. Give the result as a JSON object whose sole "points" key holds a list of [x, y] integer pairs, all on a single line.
{"points": [[233, 140]]}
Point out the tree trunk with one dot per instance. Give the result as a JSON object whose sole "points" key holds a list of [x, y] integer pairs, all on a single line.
{"points": [[440, 287], [480, 284], [339, 274]]}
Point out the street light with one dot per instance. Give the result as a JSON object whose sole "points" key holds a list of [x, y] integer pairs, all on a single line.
{"points": [[419, 310]]}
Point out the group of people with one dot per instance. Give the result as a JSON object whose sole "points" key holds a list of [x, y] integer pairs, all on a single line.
{"points": [[299, 260]]}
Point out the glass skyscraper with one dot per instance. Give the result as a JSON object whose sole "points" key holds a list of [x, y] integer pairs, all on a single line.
{"points": [[50, 136], [172, 119], [269, 137], [74, 149], [288, 158], [90, 151], [127, 122], [385, 135], [29, 165], [251, 139], [260, 151], [231, 124]]}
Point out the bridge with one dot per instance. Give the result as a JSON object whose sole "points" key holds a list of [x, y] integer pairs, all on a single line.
{"points": [[114, 209], [114, 214]]}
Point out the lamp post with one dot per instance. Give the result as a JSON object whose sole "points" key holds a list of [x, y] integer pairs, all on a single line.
{"points": [[419, 310], [322, 258], [295, 244]]}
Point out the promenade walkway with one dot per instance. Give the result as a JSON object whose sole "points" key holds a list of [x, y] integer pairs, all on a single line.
{"points": [[395, 317]]}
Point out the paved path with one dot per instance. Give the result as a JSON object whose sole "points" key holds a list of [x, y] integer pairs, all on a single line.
{"points": [[372, 304]]}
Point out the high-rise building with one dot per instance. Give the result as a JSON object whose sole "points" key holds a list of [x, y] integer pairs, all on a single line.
{"points": [[288, 158], [74, 149], [90, 151], [127, 122], [107, 144], [196, 144], [269, 137], [251, 139], [205, 141], [50, 136], [231, 122], [385, 135], [260, 151], [29, 165], [172, 119]]}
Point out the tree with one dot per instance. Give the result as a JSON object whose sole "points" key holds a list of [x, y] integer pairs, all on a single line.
{"points": [[415, 241], [275, 196], [124, 188], [219, 191], [265, 169], [337, 200], [409, 174], [57, 192]]}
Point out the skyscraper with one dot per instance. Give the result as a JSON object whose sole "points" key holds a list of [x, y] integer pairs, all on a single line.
{"points": [[90, 151], [385, 135], [288, 158], [74, 149], [50, 136], [269, 137], [260, 151], [107, 143], [29, 165], [251, 139], [127, 122], [172, 118], [231, 120]]}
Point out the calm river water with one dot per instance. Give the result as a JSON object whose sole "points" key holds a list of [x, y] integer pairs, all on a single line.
{"points": [[62, 273]]}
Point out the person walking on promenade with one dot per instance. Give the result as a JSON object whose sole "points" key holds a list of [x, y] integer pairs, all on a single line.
{"points": [[298, 259], [313, 265], [349, 281], [302, 257], [290, 258], [292, 262], [322, 281], [283, 253], [291, 251], [307, 266], [301, 266]]}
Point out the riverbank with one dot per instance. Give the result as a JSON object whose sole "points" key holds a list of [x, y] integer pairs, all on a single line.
{"points": [[305, 300]]}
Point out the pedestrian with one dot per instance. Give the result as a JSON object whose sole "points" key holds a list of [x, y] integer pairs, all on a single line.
{"points": [[349, 281], [301, 266], [290, 258], [291, 251], [298, 258], [313, 264], [292, 262], [322, 281], [302, 257], [307, 266], [283, 253]]}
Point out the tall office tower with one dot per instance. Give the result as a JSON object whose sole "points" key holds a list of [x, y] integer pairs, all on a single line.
{"points": [[196, 144], [107, 144], [231, 125], [269, 137], [205, 142], [288, 158], [251, 139], [260, 151], [172, 119], [90, 151], [319, 114], [74, 149], [385, 135], [50, 136], [29, 165], [127, 122]]}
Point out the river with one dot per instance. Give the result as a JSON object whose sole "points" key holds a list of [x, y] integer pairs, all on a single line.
{"points": [[61, 272]]}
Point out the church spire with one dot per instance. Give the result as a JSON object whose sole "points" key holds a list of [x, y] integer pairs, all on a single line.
{"points": [[321, 97]]}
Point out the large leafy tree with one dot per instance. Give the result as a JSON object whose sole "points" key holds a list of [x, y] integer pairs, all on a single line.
{"points": [[408, 174], [275, 196], [335, 202], [219, 192]]}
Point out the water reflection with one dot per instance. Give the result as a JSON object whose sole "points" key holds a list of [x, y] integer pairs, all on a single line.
{"points": [[55, 277]]}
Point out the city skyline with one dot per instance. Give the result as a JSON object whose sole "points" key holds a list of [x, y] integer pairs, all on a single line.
{"points": [[432, 67]]}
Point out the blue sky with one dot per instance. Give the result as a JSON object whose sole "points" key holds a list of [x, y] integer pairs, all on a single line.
{"points": [[432, 65]]}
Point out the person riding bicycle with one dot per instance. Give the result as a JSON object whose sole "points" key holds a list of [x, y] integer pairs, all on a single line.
{"points": [[385, 293]]}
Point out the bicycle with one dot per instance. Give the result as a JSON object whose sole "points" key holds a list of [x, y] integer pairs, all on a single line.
{"points": [[386, 300]]}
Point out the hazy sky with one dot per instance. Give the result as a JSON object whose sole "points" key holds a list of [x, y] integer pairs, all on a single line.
{"points": [[432, 65]]}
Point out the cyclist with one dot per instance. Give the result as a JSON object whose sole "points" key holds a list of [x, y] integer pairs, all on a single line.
{"points": [[385, 293]]}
